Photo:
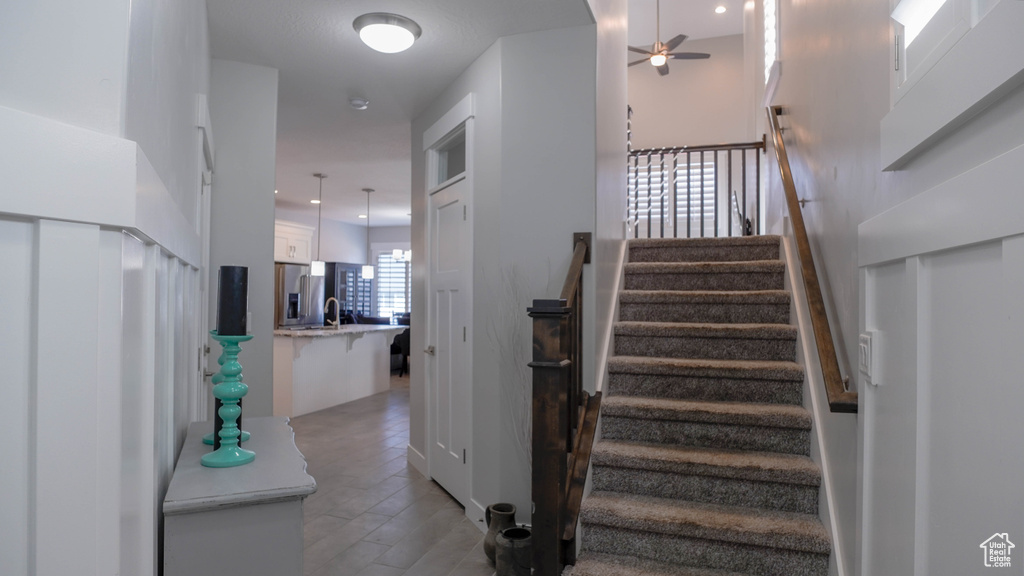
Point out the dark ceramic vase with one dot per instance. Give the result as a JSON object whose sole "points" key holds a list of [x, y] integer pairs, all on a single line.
{"points": [[514, 552], [499, 517]]}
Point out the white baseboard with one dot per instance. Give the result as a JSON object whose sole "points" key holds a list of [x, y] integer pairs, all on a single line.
{"points": [[418, 460]]}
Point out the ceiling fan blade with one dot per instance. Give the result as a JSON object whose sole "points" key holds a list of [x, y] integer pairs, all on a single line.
{"points": [[689, 55], [671, 44], [663, 69], [638, 50], [638, 62]]}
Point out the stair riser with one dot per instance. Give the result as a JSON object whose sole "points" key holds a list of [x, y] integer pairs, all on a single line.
{"points": [[705, 313], [710, 489], [706, 389], [704, 553], [711, 348], [704, 281], [706, 434], [704, 254]]}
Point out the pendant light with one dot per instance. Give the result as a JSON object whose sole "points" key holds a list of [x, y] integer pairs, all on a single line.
{"points": [[317, 266], [368, 268]]}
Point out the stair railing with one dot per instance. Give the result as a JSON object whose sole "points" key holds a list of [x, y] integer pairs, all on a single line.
{"points": [[839, 398], [679, 192], [564, 419]]}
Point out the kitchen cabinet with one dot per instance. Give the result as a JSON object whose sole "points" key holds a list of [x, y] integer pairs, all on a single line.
{"points": [[293, 242]]}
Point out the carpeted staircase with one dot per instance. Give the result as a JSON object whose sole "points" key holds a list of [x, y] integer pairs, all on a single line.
{"points": [[703, 465]]}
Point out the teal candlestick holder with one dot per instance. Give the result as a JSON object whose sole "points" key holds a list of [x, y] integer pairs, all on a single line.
{"points": [[229, 390], [217, 379]]}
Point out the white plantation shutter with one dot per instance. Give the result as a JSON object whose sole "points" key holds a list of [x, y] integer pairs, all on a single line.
{"points": [[393, 285]]}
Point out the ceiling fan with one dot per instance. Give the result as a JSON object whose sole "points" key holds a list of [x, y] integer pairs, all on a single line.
{"points": [[660, 51]]}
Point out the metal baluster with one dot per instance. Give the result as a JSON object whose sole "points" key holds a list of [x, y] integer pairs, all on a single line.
{"points": [[743, 224], [702, 194], [649, 194], [728, 194], [689, 194], [661, 196], [716, 200], [675, 201], [757, 187]]}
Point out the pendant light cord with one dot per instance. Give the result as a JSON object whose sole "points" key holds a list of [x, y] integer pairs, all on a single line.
{"points": [[319, 211]]}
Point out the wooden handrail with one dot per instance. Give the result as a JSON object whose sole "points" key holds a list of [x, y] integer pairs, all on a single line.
{"points": [[839, 398], [580, 256], [755, 145]]}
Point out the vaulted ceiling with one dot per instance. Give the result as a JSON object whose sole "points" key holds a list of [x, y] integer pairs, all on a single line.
{"points": [[322, 65]]}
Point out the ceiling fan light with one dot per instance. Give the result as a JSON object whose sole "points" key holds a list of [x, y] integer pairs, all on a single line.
{"points": [[387, 33], [658, 60]]}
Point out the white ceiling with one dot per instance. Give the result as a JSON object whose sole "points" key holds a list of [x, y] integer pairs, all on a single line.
{"points": [[322, 63]]}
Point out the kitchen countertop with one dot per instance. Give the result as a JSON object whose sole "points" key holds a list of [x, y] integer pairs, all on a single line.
{"points": [[343, 329]]}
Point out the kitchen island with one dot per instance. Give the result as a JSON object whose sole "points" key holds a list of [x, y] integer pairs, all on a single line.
{"points": [[317, 369]]}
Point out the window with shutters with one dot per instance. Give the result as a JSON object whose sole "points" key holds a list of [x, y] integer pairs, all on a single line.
{"points": [[393, 284]]}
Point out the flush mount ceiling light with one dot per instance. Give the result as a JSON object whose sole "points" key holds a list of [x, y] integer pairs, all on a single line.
{"points": [[388, 33], [720, 9], [358, 103]]}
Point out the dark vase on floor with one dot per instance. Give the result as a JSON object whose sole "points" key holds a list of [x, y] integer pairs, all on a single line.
{"points": [[514, 552], [499, 517]]}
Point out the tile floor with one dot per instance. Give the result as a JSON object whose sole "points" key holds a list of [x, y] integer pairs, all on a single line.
{"points": [[373, 514]]}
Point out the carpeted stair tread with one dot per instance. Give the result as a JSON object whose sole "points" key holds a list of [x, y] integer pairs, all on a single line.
{"points": [[720, 306], [762, 369], [760, 381], [745, 331], [596, 564], [744, 341], [697, 249], [704, 296], [736, 275], [749, 526], [739, 464], [739, 267], [737, 413]]}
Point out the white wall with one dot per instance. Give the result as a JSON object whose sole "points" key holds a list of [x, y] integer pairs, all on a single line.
{"points": [[482, 78], [835, 86], [534, 173], [699, 102], [339, 241], [82, 46], [243, 107], [102, 263], [393, 234], [610, 175], [172, 87]]}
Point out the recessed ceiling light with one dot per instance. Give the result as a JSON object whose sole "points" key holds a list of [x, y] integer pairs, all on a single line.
{"points": [[358, 103], [362, 216], [388, 33], [275, 191], [720, 10], [314, 201]]}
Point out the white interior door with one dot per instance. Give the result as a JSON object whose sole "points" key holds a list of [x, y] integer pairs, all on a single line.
{"points": [[448, 359]]}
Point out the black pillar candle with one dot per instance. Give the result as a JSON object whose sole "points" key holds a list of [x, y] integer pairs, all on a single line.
{"points": [[232, 303]]}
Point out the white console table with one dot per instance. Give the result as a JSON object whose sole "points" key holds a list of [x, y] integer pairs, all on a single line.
{"points": [[237, 521]]}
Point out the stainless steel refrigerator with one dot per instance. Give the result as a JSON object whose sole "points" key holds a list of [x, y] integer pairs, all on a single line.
{"points": [[300, 297]]}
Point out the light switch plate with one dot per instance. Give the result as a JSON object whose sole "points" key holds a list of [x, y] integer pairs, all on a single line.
{"points": [[867, 357]]}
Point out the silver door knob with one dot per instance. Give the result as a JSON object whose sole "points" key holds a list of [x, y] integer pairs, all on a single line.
{"points": [[430, 350]]}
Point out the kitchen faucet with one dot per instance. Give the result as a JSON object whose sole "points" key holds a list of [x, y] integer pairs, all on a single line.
{"points": [[337, 311]]}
